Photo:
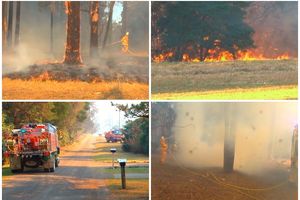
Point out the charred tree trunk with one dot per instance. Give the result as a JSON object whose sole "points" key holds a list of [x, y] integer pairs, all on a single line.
{"points": [[10, 24], [229, 139], [4, 24], [124, 18], [72, 50], [94, 20], [108, 30], [17, 30]]}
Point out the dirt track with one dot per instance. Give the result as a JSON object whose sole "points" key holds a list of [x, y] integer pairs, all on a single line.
{"points": [[78, 177], [174, 181]]}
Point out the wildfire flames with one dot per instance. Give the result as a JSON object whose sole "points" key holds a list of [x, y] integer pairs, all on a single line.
{"points": [[216, 56]]}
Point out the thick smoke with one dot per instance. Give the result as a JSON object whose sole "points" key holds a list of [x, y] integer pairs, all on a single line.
{"points": [[276, 27], [263, 134], [34, 47]]}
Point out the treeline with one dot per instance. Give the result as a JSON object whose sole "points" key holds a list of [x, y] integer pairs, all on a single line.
{"points": [[136, 130], [67, 117], [196, 27]]}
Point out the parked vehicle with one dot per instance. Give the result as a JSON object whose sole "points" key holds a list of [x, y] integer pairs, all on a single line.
{"points": [[32, 146], [114, 136]]}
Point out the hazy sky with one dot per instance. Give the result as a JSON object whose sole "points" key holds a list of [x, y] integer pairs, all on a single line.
{"points": [[107, 116]]}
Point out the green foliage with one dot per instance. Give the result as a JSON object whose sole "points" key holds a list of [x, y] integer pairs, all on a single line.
{"points": [[136, 130], [200, 24], [134, 110], [136, 136]]}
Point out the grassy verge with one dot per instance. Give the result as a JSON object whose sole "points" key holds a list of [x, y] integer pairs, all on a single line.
{"points": [[262, 93], [136, 170], [135, 189], [105, 155]]}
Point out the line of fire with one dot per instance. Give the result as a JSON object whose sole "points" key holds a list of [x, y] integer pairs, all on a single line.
{"points": [[99, 45], [223, 31], [233, 150]]}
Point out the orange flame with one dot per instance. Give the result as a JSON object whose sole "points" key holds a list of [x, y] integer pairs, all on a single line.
{"points": [[215, 55]]}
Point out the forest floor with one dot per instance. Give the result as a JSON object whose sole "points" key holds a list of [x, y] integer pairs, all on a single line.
{"points": [[268, 79], [122, 77], [174, 181], [80, 176]]}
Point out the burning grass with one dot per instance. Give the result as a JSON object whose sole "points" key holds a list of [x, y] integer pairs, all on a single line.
{"points": [[231, 80], [52, 89]]}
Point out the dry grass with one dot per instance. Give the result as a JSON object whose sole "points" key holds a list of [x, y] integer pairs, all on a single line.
{"points": [[135, 189], [199, 77], [31, 89]]}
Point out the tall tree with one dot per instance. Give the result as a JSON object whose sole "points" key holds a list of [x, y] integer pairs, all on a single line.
{"points": [[108, 30], [102, 20], [94, 21], [4, 23], [52, 10], [124, 18], [10, 24], [17, 29], [72, 50], [229, 139]]}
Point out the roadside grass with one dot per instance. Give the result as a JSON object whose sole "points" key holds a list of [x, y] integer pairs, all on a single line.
{"points": [[6, 171], [105, 155], [262, 93], [135, 189], [170, 78], [136, 170], [35, 89]]}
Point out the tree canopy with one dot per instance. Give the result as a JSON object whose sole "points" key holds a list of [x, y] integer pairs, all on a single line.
{"points": [[200, 24]]}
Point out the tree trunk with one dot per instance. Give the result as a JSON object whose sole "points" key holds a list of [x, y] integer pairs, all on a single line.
{"points": [[108, 30], [124, 18], [229, 139], [10, 24], [17, 30], [102, 18], [4, 24], [94, 19], [72, 50], [52, 10]]}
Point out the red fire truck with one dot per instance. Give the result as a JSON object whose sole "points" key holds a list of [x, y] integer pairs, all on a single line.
{"points": [[34, 145], [114, 136]]}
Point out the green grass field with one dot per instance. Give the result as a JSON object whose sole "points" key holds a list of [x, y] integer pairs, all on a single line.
{"points": [[105, 155], [270, 93], [268, 79]]}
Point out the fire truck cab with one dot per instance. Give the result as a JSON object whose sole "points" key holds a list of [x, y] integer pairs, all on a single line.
{"points": [[32, 146]]}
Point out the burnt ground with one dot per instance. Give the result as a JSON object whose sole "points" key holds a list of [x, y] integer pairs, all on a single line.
{"points": [[122, 68], [178, 182]]}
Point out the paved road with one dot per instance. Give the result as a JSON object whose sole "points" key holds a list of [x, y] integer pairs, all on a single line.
{"points": [[78, 177]]}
